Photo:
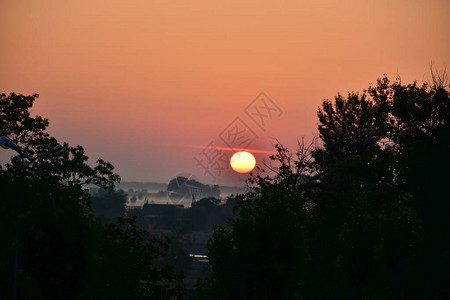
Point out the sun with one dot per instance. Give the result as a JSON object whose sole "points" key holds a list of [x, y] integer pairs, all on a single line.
{"points": [[243, 162]]}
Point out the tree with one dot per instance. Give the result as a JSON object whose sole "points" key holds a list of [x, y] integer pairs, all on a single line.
{"points": [[47, 245], [203, 215], [265, 253], [29, 133], [53, 254], [351, 158], [386, 170], [365, 213], [350, 165], [349, 129], [108, 205], [183, 187], [419, 130], [124, 265]]}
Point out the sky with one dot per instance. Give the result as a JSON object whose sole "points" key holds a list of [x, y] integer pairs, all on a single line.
{"points": [[161, 88]]}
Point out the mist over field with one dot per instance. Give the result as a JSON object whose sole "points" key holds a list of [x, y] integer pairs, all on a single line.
{"points": [[153, 192]]}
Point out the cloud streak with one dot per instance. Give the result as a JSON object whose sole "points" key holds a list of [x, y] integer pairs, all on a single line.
{"points": [[229, 149]]}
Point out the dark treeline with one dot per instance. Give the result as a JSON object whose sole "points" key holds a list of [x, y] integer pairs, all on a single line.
{"points": [[202, 215], [361, 213], [52, 245]]}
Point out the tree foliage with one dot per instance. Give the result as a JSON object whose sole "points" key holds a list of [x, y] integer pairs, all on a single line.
{"points": [[108, 205], [183, 187], [51, 246], [363, 215]]}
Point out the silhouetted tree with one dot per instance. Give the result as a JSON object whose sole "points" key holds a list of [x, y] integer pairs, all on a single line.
{"points": [[54, 254], [48, 247], [107, 205], [364, 215], [265, 253], [123, 264], [380, 185], [182, 187], [419, 130]]}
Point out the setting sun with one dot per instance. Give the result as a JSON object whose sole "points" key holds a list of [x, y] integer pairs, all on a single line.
{"points": [[243, 162]]}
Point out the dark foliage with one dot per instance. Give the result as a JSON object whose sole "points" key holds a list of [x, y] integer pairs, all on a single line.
{"points": [[183, 187], [363, 216], [108, 205], [51, 246]]}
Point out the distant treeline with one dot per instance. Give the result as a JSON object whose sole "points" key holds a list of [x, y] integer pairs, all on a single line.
{"points": [[179, 190]]}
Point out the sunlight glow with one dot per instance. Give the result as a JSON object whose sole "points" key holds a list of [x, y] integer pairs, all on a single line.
{"points": [[243, 162]]}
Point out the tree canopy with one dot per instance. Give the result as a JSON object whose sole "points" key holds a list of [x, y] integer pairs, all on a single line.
{"points": [[360, 215], [61, 252]]}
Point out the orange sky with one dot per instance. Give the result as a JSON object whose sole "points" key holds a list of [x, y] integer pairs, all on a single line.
{"points": [[137, 82]]}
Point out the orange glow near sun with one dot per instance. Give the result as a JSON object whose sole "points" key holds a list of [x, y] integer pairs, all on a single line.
{"points": [[243, 162]]}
